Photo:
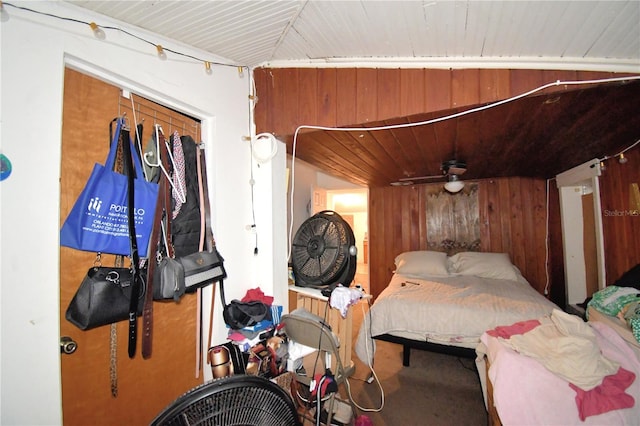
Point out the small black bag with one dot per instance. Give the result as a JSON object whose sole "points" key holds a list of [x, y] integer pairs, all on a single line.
{"points": [[239, 315], [104, 297], [202, 268]]}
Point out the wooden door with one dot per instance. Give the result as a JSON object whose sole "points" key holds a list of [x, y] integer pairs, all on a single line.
{"points": [[589, 244], [144, 387]]}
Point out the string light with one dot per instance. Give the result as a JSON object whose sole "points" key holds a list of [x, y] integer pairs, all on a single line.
{"points": [[99, 32], [161, 53], [4, 16], [622, 159]]}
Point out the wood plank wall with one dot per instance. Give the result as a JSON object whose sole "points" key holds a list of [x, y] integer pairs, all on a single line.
{"points": [[620, 219], [513, 219], [289, 97]]}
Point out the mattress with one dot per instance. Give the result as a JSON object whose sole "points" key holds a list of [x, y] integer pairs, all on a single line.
{"points": [[449, 310]]}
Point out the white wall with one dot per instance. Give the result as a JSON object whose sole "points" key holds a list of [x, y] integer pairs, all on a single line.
{"points": [[34, 51], [573, 184], [307, 179]]}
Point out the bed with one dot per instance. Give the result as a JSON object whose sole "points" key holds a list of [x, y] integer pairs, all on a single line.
{"points": [[587, 372], [445, 303]]}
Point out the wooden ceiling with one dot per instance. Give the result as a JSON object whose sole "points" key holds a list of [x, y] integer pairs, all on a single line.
{"points": [[535, 136]]}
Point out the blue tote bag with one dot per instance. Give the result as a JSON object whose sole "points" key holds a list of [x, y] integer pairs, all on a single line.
{"points": [[98, 220]]}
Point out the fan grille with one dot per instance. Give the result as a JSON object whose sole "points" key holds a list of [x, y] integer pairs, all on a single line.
{"points": [[234, 405], [320, 249]]}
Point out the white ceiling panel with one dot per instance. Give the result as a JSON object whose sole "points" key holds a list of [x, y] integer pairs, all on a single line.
{"points": [[595, 35]]}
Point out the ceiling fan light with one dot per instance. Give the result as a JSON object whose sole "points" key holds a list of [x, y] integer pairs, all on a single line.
{"points": [[454, 185]]}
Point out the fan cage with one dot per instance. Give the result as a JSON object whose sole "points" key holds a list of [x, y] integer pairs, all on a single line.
{"points": [[232, 401], [320, 251]]}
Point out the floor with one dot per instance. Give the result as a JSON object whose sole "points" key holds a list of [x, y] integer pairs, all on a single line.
{"points": [[362, 276]]}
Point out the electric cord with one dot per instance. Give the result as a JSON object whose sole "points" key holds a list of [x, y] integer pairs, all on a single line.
{"points": [[319, 399], [432, 121], [95, 27], [373, 376], [600, 160], [546, 245], [252, 181]]}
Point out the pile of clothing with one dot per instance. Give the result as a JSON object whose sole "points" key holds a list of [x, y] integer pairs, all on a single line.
{"points": [[621, 302], [254, 337]]}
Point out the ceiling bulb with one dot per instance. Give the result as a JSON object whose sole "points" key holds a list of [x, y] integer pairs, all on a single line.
{"points": [[454, 185], [622, 159]]}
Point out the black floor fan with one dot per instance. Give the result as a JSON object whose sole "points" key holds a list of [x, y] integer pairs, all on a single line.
{"points": [[323, 252], [232, 401]]}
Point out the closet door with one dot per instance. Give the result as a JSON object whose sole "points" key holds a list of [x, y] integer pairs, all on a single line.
{"points": [[91, 375]]}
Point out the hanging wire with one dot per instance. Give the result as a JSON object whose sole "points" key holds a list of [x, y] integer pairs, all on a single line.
{"points": [[432, 121], [96, 28]]}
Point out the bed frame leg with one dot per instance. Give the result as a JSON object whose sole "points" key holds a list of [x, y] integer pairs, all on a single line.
{"points": [[406, 353]]}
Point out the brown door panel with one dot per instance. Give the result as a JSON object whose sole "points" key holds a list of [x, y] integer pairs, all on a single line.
{"points": [[144, 386]]}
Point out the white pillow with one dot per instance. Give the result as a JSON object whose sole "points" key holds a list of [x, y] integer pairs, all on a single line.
{"points": [[486, 265], [421, 263]]}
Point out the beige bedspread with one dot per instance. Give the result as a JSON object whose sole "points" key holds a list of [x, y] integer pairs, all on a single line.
{"points": [[453, 310]]}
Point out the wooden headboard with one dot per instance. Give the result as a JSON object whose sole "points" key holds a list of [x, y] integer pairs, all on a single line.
{"points": [[512, 219], [453, 223]]}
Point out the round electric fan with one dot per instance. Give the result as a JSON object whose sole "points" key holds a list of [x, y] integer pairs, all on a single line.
{"points": [[232, 401], [323, 252]]}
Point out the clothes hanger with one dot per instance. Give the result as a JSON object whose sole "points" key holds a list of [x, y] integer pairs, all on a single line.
{"points": [[138, 142], [180, 192]]}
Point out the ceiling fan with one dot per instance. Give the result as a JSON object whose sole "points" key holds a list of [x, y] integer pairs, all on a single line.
{"points": [[451, 170]]}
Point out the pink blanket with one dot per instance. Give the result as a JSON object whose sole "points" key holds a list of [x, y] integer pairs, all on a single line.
{"points": [[524, 390]]}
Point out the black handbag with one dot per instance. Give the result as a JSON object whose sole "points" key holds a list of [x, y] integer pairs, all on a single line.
{"points": [[202, 268], [239, 315], [104, 297]]}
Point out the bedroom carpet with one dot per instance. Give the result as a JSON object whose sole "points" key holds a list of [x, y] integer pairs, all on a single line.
{"points": [[434, 390]]}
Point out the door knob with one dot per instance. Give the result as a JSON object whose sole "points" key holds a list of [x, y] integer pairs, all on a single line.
{"points": [[67, 345]]}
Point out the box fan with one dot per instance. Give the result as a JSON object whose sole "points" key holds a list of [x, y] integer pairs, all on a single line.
{"points": [[323, 252]]}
